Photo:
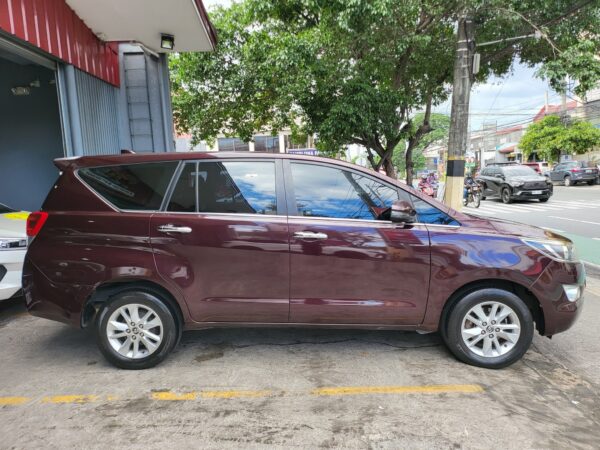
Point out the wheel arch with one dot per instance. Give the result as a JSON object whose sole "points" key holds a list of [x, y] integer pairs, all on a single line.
{"points": [[105, 291], [533, 304]]}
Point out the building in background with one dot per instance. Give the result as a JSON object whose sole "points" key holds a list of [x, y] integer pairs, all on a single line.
{"points": [[80, 77]]}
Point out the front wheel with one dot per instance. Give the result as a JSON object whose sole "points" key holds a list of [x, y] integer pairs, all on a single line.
{"points": [[136, 330], [490, 328], [506, 196], [543, 200], [476, 200]]}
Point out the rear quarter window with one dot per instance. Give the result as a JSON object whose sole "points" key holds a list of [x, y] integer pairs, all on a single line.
{"points": [[139, 187]]}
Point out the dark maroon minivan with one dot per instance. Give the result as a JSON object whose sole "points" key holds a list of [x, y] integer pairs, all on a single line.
{"points": [[144, 246]]}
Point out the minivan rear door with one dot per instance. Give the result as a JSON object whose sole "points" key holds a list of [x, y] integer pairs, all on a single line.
{"points": [[222, 238]]}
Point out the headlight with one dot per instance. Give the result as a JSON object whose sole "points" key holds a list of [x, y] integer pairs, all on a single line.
{"points": [[12, 243], [557, 250]]}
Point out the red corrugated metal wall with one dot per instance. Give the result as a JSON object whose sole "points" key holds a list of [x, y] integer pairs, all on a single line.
{"points": [[53, 26]]}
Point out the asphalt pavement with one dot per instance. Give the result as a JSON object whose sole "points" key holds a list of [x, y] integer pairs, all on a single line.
{"points": [[572, 211], [296, 388]]}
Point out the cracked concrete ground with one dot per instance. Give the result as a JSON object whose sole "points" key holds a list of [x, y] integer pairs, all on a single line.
{"points": [[257, 388]]}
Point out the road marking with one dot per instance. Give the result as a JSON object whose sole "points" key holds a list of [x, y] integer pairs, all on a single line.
{"points": [[229, 394], [14, 400], [434, 389], [57, 399], [234, 394], [172, 396], [575, 220]]}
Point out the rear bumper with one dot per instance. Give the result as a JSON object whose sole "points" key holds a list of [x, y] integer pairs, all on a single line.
{"points": [[560, 313], [11, 267], [55, 301], [584, 176]]}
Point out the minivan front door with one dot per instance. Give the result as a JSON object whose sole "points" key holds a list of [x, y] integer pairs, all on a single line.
{"points": [[222, 242], [347, 267]]}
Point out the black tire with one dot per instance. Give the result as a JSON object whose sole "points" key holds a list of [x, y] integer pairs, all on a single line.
{"points": [[477, 200], [591, 182], [505, 195], [455, 343], [483, 198], [544, 200], [568, 181], [465, 201], [145, 299]]}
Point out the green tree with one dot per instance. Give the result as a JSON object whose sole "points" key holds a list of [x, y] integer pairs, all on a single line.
{"points": [[440, 126], [551, 137], [357, 71]]}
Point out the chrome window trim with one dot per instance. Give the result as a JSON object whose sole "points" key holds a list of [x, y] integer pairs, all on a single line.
{"points": [[247, 215]]}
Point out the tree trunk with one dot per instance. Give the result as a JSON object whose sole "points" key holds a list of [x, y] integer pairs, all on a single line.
{"points": [[409, 164], [389, 168]]}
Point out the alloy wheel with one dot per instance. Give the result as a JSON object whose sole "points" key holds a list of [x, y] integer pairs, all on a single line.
{"points": [[491, 329], [134, 331]]}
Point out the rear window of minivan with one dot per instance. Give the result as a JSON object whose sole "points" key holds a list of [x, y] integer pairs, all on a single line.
{"points": [[138, 187]]}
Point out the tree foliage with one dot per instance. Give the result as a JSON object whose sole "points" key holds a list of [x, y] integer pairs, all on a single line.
{"points": [[357, 71], [440, 127], [552, 136]]}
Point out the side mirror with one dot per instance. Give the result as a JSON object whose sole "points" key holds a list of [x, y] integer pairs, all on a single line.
{"points": [[402, 212]]}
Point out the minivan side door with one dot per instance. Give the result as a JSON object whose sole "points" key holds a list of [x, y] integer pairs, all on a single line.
{"points": [[347, 267], [222, 238]]}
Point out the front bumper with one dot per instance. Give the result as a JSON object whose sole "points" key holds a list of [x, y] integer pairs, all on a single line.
{"points": [[560, 312], [11, 262], [532, 194]]}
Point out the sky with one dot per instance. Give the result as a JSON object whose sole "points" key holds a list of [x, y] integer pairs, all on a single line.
{"points": [[512, 99]]}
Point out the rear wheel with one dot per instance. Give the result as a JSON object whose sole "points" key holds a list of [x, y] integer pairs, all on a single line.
{"points": [[591, 182], [568, 181], [490, 328], [543, 200], [476, 200], [506, 195], [136, 330]]}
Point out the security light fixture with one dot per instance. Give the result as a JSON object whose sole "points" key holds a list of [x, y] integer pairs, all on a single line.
{"points": [[167, 41]]}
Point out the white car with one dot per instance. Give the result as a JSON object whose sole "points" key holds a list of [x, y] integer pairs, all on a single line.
{"points": [[13, 246]]}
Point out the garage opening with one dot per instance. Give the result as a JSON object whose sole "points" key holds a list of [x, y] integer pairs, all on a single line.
{"points": [[30, 131]]}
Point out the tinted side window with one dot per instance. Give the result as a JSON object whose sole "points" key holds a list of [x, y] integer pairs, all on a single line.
{"points": [[428, 213], [185, 193], [134, 186], [330, 192]]}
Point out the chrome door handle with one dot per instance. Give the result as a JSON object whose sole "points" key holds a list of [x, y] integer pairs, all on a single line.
{"points": [[310, 235], [173, 229]]}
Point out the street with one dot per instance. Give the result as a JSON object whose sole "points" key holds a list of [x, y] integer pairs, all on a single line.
{"points": [[254, 388], [572, 211]]}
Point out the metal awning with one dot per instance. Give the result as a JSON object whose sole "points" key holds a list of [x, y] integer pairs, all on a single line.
{"points": [[144, 21]]}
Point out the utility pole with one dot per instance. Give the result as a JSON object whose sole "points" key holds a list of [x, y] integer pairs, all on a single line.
{"points": [[461, 92]]}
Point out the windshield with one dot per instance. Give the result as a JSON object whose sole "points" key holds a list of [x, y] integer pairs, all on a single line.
{"points": [[5, 209], [519, 171]]}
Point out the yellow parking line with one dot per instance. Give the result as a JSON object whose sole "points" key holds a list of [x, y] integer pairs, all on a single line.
{"points": [[433, 389], [234, 394], [171, 396], [70, 399], [14, 400]]}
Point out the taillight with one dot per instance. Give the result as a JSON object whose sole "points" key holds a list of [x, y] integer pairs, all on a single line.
{"points": [[35, 222], [576, 169]]}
